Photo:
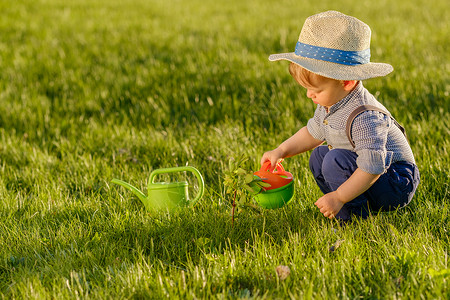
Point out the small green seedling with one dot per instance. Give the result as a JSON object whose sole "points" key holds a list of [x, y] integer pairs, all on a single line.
{"points": [[239, 183]]}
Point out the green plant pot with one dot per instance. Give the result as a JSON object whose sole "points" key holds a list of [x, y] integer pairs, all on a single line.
{"points": [[275, 198]]}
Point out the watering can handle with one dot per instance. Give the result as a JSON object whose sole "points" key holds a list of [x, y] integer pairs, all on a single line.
{"points": [[279, 170], [201, 184]]}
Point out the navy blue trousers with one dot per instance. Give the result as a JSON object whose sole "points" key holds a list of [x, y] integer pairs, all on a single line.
{"points": [[394, 189]]}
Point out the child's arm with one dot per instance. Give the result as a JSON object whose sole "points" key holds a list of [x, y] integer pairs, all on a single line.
{"points": [[300, 142], [360, 181]]}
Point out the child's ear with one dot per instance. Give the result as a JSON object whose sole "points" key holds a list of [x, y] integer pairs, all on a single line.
{"points": [[349, 84]]}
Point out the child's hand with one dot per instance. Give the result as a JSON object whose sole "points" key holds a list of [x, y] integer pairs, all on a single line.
{"points": [[329, 205], [273, 156]]}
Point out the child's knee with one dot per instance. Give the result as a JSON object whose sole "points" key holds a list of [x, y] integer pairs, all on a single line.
{"points": [[339, 163], [316, 159]]}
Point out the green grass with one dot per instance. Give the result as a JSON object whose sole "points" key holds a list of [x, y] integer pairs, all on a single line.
{"points": [[95, 90]]}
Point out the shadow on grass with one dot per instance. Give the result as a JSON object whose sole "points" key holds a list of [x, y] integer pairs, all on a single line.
{"points": [[103, 234]]}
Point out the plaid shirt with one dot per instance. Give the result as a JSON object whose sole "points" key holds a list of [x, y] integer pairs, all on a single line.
{"points": [[378, 141]]}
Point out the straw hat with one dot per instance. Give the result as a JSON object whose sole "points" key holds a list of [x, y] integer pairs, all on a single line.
{"points": [[337, 46]]}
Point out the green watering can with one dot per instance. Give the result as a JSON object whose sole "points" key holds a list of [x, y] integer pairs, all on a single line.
{"points": [[164, 195]]}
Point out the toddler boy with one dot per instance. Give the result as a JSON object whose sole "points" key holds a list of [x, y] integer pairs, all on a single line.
{"points": [[367, 163]]}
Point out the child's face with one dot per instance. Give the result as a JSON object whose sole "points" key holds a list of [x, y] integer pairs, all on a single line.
{"points": [[321, 90]]}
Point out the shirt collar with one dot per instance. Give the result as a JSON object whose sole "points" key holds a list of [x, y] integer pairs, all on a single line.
{"points": [[353, 94]]}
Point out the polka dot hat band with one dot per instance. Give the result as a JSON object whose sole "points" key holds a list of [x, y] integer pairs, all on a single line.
{"points": [[350, 58]]}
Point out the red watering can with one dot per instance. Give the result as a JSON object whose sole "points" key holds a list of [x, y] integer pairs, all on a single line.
{"points": [[281, 187]]}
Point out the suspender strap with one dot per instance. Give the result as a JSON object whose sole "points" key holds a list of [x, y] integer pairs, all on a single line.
{"points": [[361, 109]]}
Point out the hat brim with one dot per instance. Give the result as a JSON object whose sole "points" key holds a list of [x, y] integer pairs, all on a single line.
{"points": [[334, 70]]}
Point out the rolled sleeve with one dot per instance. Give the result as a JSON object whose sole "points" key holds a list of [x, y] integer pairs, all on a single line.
{"points": [[374, 161], [369, 131]]}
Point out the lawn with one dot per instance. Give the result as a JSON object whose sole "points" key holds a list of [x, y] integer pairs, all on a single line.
{"points": [[96, 90]]}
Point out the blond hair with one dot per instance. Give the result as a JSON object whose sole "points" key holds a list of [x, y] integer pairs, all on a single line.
{"points": [[305, 77]]}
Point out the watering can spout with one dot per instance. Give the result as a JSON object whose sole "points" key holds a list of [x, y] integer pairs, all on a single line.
{"points": [[137, 192]]}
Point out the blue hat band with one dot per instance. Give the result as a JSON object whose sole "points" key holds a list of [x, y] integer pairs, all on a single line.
{"points": [[350, 58]]}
